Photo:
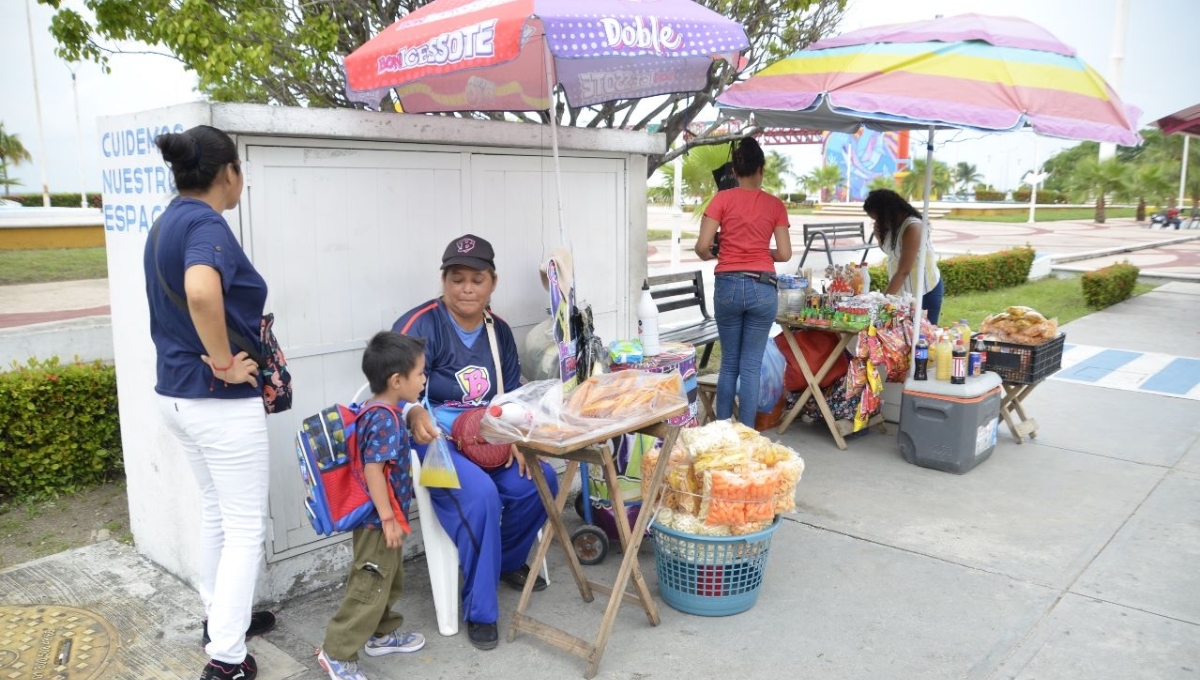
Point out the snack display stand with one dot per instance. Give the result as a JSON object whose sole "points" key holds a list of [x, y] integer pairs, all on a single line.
{"points": [[591, 448], [790, 325]]}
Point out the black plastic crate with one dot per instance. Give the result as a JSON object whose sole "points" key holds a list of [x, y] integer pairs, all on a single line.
{"points": [[1026, 364]]}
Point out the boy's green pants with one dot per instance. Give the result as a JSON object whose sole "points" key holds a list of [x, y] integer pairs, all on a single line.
{"points": [[376, 579]]}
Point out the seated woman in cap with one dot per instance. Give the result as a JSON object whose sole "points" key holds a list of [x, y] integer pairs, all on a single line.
{"points": [[496, 515]]}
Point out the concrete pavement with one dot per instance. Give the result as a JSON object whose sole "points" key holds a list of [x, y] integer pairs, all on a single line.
{"points": [[1071, 556]]}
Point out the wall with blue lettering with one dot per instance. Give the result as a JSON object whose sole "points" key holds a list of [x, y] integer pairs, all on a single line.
{"points": [[136, 184]]}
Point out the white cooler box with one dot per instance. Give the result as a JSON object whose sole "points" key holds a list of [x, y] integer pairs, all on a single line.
{"points": [[949, 427]]}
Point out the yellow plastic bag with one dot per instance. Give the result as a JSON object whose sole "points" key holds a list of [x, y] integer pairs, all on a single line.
{"points": [[437, 470]]}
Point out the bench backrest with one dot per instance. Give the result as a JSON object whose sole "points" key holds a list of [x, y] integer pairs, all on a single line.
{"points": [[836, 230], [679, 291]]}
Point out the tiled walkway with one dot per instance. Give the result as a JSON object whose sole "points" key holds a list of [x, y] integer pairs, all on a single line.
{"points": [[1137, 371]]}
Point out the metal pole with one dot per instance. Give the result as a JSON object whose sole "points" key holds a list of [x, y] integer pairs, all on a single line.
{"points": [[37, 104], [79, 144], [849, 151], [1108, 149], [1183, 170], [677, 196], [922, 254], [1034, 180]]}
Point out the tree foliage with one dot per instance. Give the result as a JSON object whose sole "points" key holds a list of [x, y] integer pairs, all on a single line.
{"points": [[11, 151], [823, 180], [966, 174], [912, 185], [1092, 177], [289, 52]]}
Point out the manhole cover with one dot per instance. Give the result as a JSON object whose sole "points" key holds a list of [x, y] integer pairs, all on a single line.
{"points": [[52, 642]]}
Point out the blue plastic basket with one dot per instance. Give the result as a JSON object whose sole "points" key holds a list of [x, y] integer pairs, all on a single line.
{"points": [[711, 575]]}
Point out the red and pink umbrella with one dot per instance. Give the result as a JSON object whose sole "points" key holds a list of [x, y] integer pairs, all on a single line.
{"points": [[505, 55]]}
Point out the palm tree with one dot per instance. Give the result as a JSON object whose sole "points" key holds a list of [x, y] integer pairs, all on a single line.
{"points": [[912, 186], [882, 182], [965, 175], [698, 164], [1147, 182], [778, 170], [1091, 177], [822, 180], [11, 151]]}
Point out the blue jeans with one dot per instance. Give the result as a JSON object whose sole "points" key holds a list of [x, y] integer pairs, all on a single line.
{"points": [[745, 310], [932, 302]]}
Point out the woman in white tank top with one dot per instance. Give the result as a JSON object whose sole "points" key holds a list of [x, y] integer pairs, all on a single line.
{"points": [[899, 233]]}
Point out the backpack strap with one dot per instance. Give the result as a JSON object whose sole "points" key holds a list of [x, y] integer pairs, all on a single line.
{"points": [[250, 348]]}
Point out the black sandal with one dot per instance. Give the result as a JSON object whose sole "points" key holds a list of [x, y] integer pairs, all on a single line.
{"points": [[517, 579]]}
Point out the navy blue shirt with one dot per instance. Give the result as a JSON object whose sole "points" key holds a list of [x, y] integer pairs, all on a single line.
{"points": [[459, 377], [382, 438], [192, 233]]}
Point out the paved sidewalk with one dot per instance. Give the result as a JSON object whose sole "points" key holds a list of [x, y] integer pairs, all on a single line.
{"points": [[1069, 557]]}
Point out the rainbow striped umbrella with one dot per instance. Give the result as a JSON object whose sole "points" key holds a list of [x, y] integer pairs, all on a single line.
{"points": [[992, 74], [972, 71]]}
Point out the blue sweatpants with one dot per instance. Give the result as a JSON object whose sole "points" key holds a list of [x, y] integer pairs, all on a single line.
{"points": [[493, 519]]}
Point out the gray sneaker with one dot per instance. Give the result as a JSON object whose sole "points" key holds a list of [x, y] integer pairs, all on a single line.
{"points": [[395, 642]]}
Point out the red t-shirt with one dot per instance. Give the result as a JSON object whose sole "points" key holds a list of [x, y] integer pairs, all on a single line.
{"points": [[748, 218]]}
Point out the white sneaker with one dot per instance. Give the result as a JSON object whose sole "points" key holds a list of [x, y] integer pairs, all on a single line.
{"points": [[397, 641], [339, 670]]}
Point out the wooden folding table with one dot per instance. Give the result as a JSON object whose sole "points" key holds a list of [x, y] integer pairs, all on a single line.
{"points": [[592, 448], [813, 388]]}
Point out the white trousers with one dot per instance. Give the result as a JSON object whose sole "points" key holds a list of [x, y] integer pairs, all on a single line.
{"points": [[225, 441]]}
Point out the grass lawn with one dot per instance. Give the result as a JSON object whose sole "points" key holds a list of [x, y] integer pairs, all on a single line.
{"points": [[800, 211], [41, 266], [1053, 297], [1048, 216], [665, 234]]}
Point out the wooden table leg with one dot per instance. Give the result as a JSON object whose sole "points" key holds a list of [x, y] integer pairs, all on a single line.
{"points": [[630, 559], [799, 406], [1013, 411], [558, 531], [623, 533], [815, 381]]}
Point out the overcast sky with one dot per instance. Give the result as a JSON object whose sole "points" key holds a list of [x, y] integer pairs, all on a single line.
{"points": [[1155, 78]]}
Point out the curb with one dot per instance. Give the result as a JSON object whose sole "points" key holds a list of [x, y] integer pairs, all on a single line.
{"points": [[1076, 257]]}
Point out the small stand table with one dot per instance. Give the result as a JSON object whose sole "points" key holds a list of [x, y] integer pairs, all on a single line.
{"points": [[814, 379], [583, 449], [1019, 423]]}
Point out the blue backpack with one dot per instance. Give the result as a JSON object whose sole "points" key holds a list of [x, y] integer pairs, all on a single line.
{"points": [[336, 495]]}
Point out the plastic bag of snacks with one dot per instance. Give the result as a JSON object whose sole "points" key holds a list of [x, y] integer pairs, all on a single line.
{"points": [[1021, 326]]}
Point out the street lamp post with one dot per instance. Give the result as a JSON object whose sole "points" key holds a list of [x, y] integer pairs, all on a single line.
{"points": [[73, 66], [37, 105]]}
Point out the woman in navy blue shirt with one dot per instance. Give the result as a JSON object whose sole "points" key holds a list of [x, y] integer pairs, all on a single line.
{"points": [[209, 392]]}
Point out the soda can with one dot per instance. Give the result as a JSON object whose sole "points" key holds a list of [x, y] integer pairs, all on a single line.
{"points": [[974, 364]]}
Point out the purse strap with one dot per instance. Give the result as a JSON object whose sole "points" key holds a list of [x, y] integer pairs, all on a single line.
{"points": [[491, 332], [181, 302]]}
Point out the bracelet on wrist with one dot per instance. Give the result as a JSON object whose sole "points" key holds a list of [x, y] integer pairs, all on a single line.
{"points": [[222, 369]]}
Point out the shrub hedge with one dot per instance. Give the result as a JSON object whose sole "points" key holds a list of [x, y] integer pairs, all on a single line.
{"points": [[56, 200], [59, 429], [988, 195], [1110, 285], [971, 273]]}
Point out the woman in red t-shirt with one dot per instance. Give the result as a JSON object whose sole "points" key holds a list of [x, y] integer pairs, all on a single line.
{"points": [[744, 298]]}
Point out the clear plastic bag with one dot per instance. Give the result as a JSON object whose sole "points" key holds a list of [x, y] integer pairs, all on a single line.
{"points": [[538, 410], [437, 470]]}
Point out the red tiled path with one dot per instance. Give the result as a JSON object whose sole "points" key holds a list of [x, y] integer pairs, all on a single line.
{"points": [[25, 319]]}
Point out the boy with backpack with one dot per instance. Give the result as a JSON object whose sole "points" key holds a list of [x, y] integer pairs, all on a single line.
{"points": [[394, 365]]}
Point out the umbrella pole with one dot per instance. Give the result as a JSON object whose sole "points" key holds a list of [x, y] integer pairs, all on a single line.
{"points": [[562, 236], [921, 255]]}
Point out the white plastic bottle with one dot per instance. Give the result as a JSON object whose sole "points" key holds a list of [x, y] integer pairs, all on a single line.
{"points": [[648, 322], [511, 413], [866, 278]]}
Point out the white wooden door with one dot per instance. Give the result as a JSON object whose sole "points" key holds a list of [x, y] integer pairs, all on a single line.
{"points": [[349, 239]]}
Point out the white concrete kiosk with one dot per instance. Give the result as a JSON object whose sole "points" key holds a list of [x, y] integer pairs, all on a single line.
{"points": [[346, 214]]}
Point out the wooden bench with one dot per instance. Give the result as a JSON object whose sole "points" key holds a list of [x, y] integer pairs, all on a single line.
{"points": [[831, 232], [680, 291]]}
